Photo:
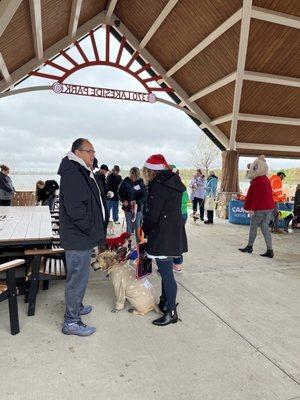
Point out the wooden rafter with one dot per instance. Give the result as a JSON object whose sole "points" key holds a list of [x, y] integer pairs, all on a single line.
{"points": [[244, 35], [159, 20], [270, 147], [74, 17], [36, 23], [53, 50], [110, 9], [269, 78], [160, 71], [206, 42], [4, 70], [275, 17], [7, 11], [269, 119]]}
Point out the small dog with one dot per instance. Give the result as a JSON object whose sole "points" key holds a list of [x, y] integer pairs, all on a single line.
{"points": [[139, 292]]}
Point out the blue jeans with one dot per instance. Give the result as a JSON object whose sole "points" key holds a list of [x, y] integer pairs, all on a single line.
{"points": [[168, 283], [78, 264], [130, 226], [114, 206], [179, 260]]}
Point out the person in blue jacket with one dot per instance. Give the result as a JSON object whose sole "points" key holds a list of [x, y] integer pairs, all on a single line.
{"points": [[211, 191]]}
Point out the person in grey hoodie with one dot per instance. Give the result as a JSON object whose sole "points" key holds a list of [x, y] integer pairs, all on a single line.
{"points": [[83, 219], [6, 187]]}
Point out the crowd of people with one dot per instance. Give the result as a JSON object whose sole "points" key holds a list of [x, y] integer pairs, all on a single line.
{"points": [[155, 203]]}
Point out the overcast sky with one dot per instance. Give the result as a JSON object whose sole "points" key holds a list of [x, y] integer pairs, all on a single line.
{"points": [[37, 128]]}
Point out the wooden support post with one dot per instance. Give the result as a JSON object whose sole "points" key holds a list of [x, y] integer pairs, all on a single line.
{"points": [[34, 282], [229, 181], [12, 301], [230, 171]]}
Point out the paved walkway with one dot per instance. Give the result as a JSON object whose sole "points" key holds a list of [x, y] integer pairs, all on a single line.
{"points": [[239, 338]]}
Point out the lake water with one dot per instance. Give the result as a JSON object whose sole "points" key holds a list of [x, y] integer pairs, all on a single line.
{"points": [[28, 182]]}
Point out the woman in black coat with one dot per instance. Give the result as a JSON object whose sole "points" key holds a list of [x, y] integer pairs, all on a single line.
{"points": [[132, 194], [164, 229]]}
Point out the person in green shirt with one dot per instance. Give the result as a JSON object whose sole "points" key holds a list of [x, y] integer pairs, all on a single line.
{"points": [[178, 261]]}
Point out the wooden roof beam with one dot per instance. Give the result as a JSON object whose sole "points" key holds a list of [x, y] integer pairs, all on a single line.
{"points": [[52, 51], [269, 119], [269, 78], [7, 11], [74, 17], [214, 86], [36, 23], [270, 147], [110, 9], [244, 35], [275, 17], [4, 70], [206, 42], [144, 53], [159, 20]]}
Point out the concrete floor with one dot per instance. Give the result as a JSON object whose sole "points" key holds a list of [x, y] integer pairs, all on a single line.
{"points": [[239, 338]]}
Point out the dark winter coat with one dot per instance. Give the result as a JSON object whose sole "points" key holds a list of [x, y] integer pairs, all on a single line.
{"points": [[81, 223], [163, 224], [113, 183], [48, 191], [6, 187], [132, 191], [101, 178]]}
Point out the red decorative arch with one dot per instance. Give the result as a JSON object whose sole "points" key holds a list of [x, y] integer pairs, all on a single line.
{"points": [[101, 62]]}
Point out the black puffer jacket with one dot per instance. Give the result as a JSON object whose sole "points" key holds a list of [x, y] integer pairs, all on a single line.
{"points": [[163, 224], [113, 182], [132, 191], [81, 224]]}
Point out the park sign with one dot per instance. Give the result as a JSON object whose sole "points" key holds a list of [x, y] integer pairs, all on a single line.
{"points": [[79, 90]]}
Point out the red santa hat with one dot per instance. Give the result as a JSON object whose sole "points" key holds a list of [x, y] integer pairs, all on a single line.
{"points": [[156, 162]]}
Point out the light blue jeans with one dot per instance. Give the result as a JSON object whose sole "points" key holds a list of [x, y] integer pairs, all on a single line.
{"points": [[114, 206]]}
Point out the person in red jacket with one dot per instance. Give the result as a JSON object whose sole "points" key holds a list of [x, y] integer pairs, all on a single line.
{"points": [[260, 204]]}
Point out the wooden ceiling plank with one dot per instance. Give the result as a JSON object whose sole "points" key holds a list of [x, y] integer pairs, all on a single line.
{"points": [[270, 147], [144, 53], [206, 42], [4, 70], [268, 119], [159, 20], [124, 31], [244, 36], [269, 78], [110, 9], [220, 120], [7, 11], [275, 17], [36, 23], [74, 17], [52, 51], [214, 86]]}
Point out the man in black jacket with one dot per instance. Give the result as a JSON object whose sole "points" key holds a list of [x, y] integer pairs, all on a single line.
{"points": [[83, 216], [101, 175], [113, 182]]}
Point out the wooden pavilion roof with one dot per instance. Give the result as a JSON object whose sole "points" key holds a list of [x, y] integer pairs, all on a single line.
{"points": [[233, 63]]}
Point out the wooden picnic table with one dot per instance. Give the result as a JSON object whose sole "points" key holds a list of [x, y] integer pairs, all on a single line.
{"points": [[25, 226]]}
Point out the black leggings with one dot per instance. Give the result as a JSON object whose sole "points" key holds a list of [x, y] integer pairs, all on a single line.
{"points": [[197, 200], [168, 283]]}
